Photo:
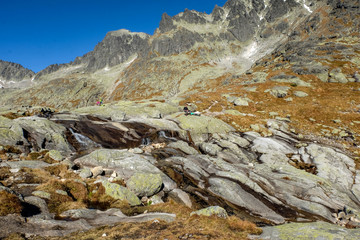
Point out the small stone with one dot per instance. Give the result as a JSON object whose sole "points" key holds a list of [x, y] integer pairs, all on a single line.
{"points": [[312, 120], [96, 171], [61, 192], [336, 121], [335, 131], [273, 114], [289, 99], [255, 127], [300, 94], [341, 215], [343, 134]]}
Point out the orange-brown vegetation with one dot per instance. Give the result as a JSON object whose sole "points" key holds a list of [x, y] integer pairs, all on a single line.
{"points": [[9, 204]]}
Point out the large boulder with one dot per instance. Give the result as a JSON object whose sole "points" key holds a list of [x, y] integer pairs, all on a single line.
{"points": [[144, 184], [201, 127], [119, 192], [124, 163], [44, 134], [10, 132]]}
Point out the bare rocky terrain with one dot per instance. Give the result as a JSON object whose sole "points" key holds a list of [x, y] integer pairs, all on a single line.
{"points": [[275, 150]]}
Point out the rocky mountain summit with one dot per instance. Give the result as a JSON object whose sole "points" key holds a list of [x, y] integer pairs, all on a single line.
{"points": [[11, 73], [275, 143]]}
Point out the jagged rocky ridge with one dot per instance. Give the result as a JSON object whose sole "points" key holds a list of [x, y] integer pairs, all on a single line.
{"points": [[13, 72], [191, 49]]}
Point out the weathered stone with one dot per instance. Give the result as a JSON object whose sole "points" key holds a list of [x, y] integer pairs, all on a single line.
{"points": [[55, 155], [83, 213], [85, 173], [119, 192], [144, 184], [183, 146], [241, 102], [211, 211], [180, 196], [10, 132], [45, 134], [42, 194], [314, 230], [300, 94], [279, 91], [210, 148], [96, 171], [21, 164], [41, 204]]}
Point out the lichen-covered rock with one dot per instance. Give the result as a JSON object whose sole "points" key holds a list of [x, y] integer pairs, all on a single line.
{"points": [[210, 211], [44, 134], [210, 148], [42, 194], [145, 184], [183, 146], [119, 192], [201, 126], [55, 155], [10, 132]]}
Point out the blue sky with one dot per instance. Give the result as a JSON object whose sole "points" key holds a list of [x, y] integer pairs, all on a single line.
{"points": [[37, 33]]}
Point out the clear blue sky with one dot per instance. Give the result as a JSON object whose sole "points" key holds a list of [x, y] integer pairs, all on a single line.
{"points": [[38, 33]]}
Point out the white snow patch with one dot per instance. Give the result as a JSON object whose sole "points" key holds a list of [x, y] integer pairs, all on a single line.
{"points": [[106, 68], [307, 8], [250, 51], [33, 78]]}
